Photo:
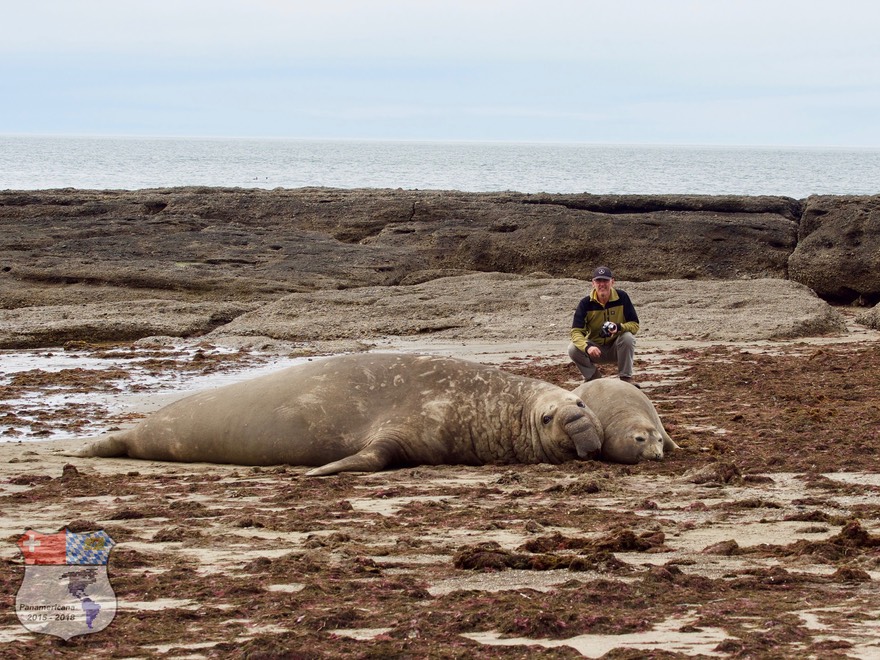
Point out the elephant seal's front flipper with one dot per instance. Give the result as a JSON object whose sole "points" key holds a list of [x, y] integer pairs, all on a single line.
{"points": [[668, 443], [372, 458]]}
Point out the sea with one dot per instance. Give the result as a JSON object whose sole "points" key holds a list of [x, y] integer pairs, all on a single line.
{"points": [[131, 163]]}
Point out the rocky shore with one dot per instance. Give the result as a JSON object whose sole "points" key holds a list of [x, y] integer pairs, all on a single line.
{"points": [[321, 264]]}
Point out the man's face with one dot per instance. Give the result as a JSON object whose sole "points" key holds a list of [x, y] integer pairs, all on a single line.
{"points": [[602, 286]]}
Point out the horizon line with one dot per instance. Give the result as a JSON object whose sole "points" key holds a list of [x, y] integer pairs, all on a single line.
{"points": [[435, 140]]}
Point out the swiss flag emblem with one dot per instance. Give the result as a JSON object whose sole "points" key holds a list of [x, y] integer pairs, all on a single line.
{"points": [[40, 548]]}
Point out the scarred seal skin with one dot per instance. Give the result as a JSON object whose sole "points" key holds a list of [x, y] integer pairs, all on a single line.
{"points": [[632, 428], [368, 412]]}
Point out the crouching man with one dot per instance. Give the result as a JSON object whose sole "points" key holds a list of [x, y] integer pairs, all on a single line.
{"points": [[603, 329]]}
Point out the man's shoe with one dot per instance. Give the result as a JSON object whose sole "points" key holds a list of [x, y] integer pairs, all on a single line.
{"points": [[628, 379], [595, 376]]}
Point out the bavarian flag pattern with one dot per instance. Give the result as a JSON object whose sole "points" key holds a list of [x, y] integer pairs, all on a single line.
{"points": [[91, 548]]}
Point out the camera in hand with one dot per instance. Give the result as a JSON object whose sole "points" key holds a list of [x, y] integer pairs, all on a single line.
{"points": [[608, 329]]}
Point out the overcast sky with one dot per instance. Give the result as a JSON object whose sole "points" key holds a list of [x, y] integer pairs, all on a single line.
{"points": [[744, 72]]}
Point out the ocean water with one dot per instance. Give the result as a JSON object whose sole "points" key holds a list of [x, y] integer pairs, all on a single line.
{"points": [[34, 162]]}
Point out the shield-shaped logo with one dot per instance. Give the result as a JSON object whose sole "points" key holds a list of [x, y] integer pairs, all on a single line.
{"points": [[66, 590]]}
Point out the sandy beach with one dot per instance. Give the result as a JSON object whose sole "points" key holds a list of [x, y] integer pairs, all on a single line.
{"points": [[760, 536]]}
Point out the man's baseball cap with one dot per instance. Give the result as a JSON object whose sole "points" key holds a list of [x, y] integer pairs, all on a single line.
{"points": [[603, 273]]}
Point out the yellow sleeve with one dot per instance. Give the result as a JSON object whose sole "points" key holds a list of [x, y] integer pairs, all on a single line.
{"points": [[579, 338]]}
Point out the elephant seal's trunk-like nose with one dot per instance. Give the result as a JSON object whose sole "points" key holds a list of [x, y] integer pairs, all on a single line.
{"points": [[585, 431]]}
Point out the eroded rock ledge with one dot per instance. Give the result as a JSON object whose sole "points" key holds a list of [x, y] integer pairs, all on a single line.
{"points": [[222, 252]]}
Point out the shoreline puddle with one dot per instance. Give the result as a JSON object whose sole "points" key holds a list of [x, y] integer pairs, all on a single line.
{"points": [[54, 394]]}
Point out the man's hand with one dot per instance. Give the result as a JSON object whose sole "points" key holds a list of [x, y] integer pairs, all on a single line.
{"points": [[594, 352]]}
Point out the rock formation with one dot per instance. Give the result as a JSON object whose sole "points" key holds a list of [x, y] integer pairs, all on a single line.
{"points": [[838, 249], [75, 258]]}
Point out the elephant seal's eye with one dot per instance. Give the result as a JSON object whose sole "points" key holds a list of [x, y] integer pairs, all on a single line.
{"points": [[581, 404], [547, 419]]}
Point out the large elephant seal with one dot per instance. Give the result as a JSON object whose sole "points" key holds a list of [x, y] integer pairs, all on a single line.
{"points": [[365, 413], [633, 430]]}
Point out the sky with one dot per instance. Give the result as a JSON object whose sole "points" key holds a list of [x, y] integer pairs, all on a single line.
{"points": [[749, 72]]}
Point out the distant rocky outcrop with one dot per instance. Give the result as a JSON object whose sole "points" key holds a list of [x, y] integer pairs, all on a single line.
{"points": [[838, 249], [256, 244], [70, 250]]}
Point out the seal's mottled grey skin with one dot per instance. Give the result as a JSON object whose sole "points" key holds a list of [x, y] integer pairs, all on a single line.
{"points": [[632, 428], [365, 413]]}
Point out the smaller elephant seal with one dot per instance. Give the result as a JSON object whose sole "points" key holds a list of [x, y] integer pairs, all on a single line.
{"points": [[365, 413], [633, 430]]}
